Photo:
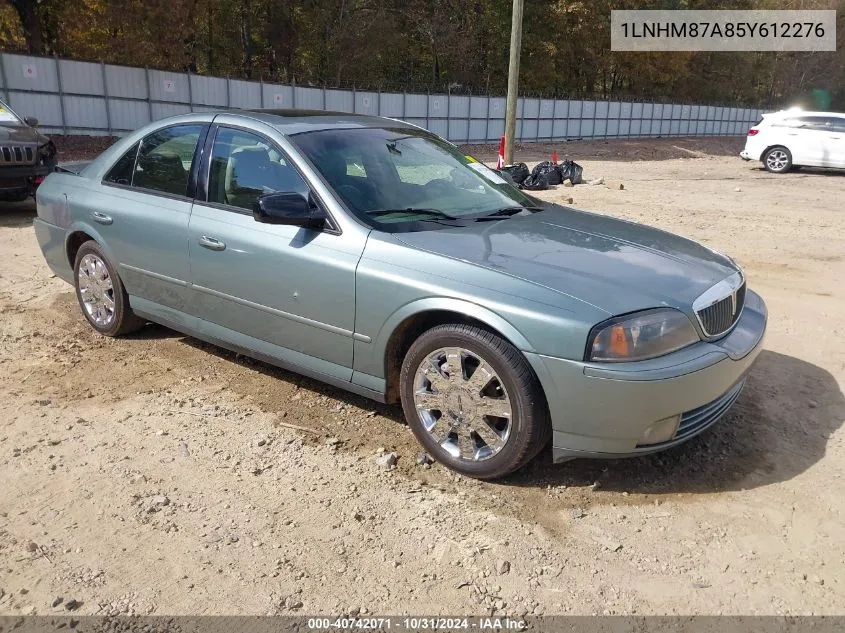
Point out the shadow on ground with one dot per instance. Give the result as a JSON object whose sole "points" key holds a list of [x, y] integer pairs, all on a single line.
{"points": [[778, 429], [16, 215]]}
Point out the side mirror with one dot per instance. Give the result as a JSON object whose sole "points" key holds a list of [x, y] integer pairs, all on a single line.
{"points": [[31, 120], [288, 207]]}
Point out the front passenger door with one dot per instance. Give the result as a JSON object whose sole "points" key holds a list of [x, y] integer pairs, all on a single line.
{"points": [[283, 291]]}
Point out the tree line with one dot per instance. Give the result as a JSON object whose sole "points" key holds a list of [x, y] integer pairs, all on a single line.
{"points": [[419, 45]]}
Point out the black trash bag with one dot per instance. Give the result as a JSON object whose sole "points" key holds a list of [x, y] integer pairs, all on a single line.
{"points": [[572, 171], [550, 170], [535, 182], [517, 172], [575, 174]]}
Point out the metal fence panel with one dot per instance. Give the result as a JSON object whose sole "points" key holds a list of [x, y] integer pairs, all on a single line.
{"points": [[366, 103], [169, 87], [277, 96], [30, 73], [126, 82], [392, 104], [244, 94], [209, 91], [308, 98], [458, 107], [340, 100], [46, 108], [477, 130], [85, 97], [81, 77], [84, 112], [128, 115]]}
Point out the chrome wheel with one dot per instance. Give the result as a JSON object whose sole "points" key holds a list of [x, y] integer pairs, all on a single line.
{"points": [[777, 160], [462, 403], [96, 290]]}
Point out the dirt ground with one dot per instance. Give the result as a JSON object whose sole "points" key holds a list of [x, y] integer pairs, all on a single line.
{"points": [[157, 474]]}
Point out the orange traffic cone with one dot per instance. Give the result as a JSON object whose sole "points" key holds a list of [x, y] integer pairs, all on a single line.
{"points": [[501, 161]]}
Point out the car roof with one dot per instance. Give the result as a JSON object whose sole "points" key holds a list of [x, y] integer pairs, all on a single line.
{"points": [[291, 121]]}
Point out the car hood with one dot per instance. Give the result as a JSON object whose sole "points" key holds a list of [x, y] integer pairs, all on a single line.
{"points": [[612, 264], [10, 133]]}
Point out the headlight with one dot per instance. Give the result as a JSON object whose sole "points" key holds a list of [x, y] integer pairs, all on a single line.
{"points": [[640, 336]]}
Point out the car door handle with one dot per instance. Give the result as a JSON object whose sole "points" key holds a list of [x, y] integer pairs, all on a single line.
{"points": [[212, 243], [102, 218]]}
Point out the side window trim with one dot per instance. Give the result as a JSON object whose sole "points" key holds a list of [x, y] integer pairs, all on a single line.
{"points": [[201, 194], [195, 162]]}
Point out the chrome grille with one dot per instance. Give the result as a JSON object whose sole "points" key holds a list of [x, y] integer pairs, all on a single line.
{"points": [[719, 313], [17, 155]]}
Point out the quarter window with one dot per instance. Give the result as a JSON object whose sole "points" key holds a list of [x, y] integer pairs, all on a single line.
{"points": [[121, 173], [164, 159], [245, 166]]}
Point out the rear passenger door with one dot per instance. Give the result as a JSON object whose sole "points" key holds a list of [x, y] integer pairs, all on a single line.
{"points": [[283, 291], [143, 217]]}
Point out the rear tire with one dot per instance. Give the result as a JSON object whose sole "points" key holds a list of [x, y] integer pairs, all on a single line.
{"points": [[777, 160], [101, 294], [484, 417]]}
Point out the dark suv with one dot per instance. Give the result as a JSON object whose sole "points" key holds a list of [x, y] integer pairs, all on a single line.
{"points": [[26, 155]]}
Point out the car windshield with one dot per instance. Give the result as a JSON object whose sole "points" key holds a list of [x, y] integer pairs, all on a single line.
{"points": [[7, 115], [397, 178]]}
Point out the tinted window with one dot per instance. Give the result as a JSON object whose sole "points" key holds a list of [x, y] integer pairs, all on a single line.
{"points": [[244, 166], [165, 157], [384, 174], [121, 173]]}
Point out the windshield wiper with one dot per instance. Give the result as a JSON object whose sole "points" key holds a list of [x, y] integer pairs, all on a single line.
{"points": [[507, 211], [434, 213]]}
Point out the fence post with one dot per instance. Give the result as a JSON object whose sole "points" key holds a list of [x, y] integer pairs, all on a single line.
{"points": [[487, 121], [324, 97], [354, 100], [106, 96], [427, 106], [149, 93], [228, 92], [293, 92], [61, 94], [449, 112], [3, 77], [190, 92], [261, 84]]}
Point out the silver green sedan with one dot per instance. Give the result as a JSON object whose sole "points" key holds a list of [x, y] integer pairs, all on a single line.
{"points": [[372, 255]]}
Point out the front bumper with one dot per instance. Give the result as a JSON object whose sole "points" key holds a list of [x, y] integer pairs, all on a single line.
{"points": [[22, 177], [605, 410]]}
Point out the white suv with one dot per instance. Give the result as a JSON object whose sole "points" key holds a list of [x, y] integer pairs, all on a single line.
{"points": [[782, 140]]}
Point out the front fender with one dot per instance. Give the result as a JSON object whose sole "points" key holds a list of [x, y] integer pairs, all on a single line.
{"points": [[449, 304]]}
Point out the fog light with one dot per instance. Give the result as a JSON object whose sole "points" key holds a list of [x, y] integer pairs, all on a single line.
{"points": [[661, 431]]}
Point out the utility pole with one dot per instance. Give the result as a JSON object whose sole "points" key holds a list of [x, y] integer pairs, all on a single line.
{"points": [[513, 79]]}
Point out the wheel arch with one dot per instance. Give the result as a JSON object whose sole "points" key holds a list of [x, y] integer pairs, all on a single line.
{"points": [[77, 235], [410, 321]]}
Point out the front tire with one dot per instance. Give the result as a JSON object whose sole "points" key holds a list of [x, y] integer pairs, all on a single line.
{"points": [[777, 160], [473, 401], [101, 294]]}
